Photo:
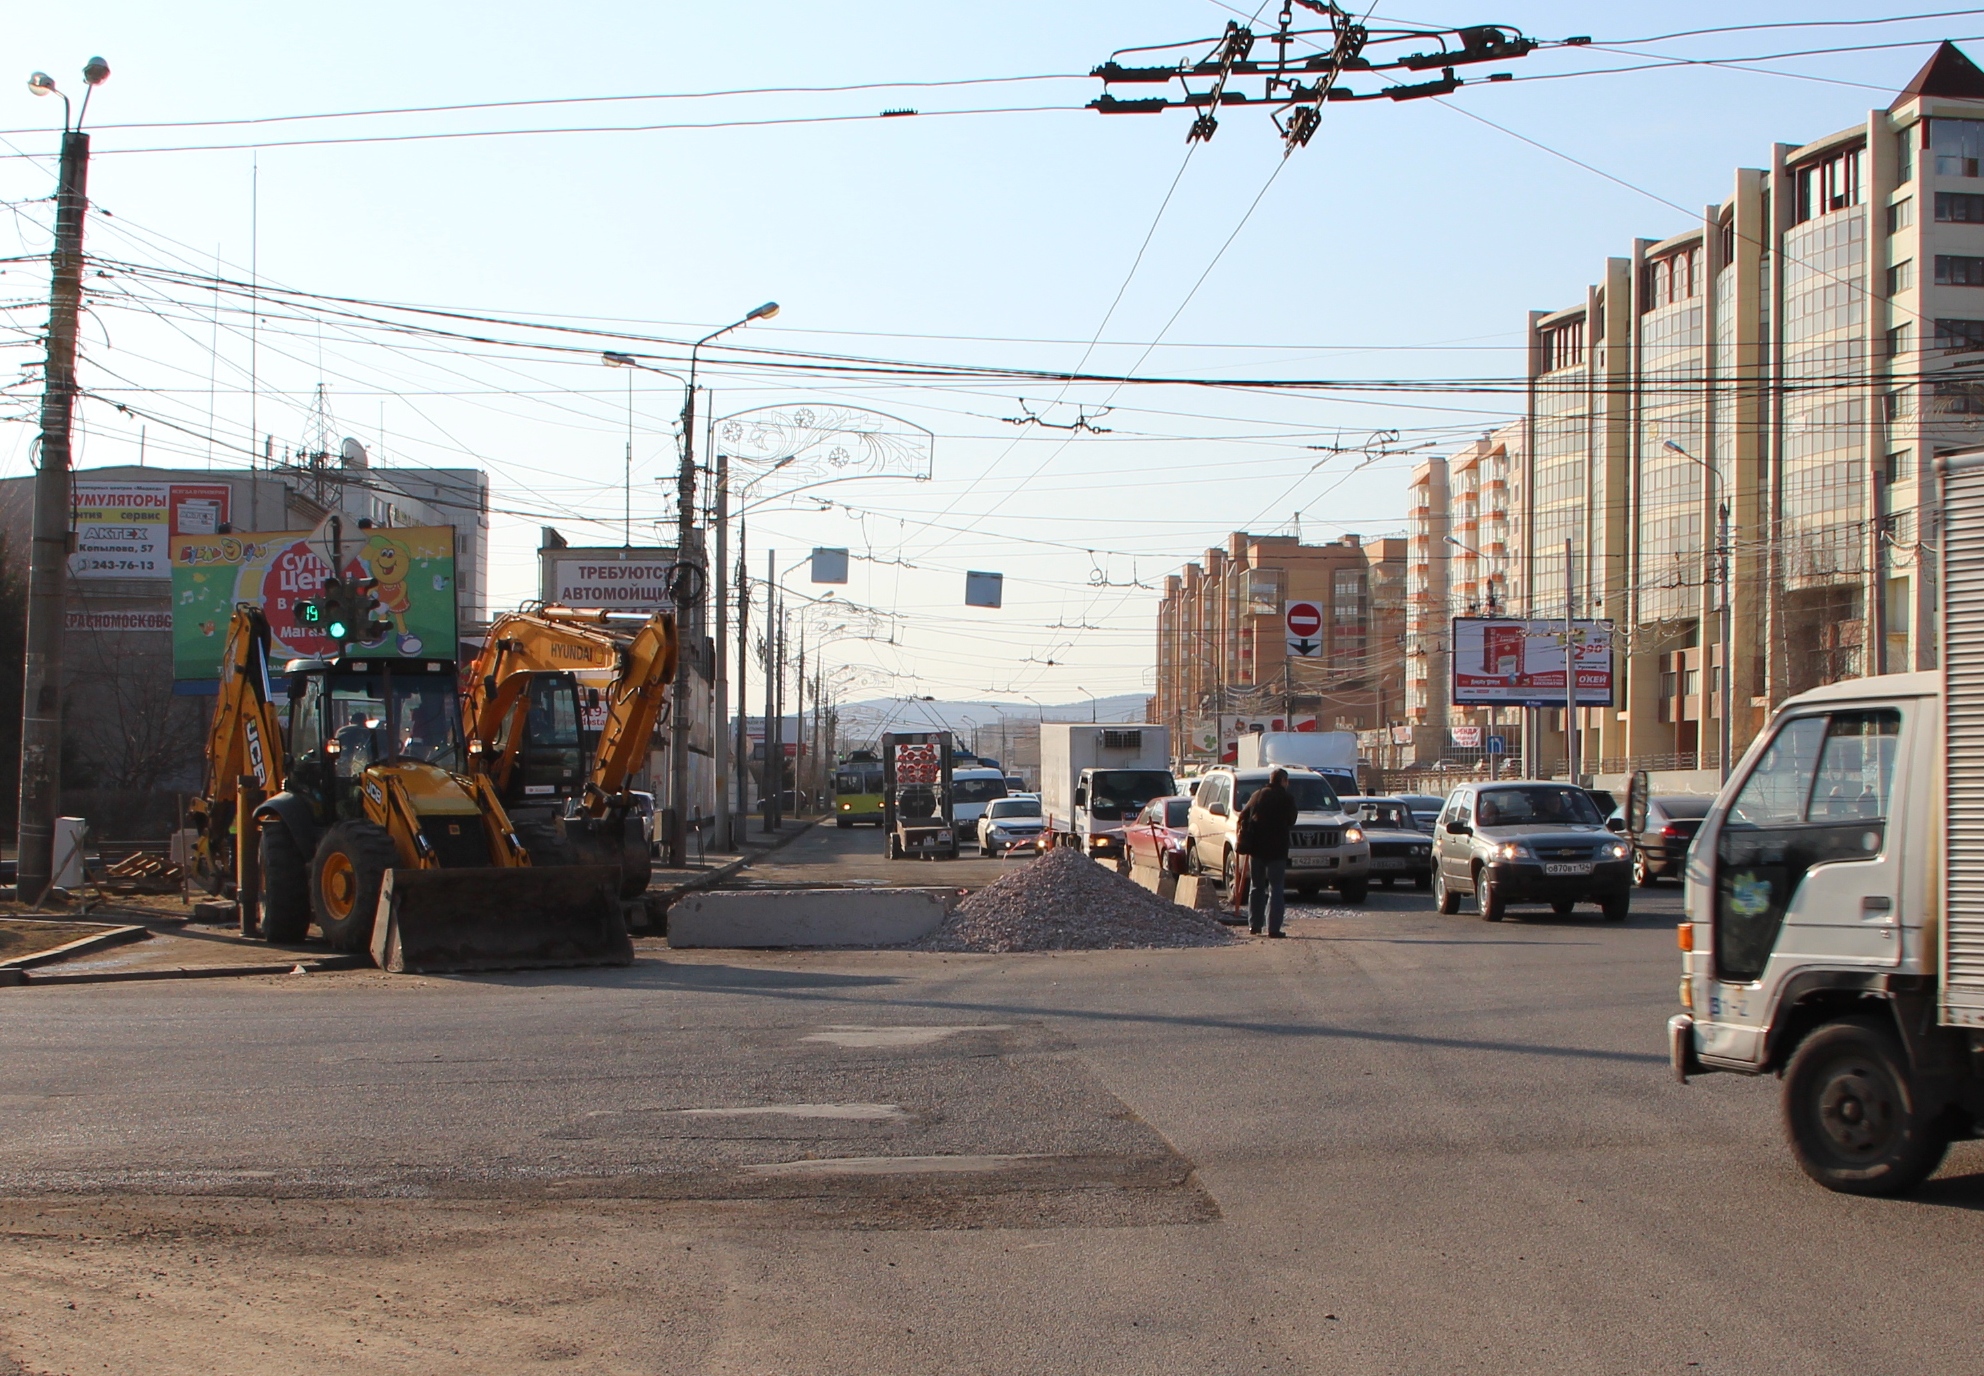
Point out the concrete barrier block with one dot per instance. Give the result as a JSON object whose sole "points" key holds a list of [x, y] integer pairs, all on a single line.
{"points": [[1196, 891], [761, 918]]}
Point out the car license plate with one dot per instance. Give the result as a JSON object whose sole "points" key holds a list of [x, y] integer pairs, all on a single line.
{"points": [[1567, 870], [1387, 863], [1310, 860]]}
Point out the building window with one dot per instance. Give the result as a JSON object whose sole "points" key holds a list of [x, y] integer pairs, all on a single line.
{"points": [[1902, 213], [1959, 270], [1563, 345], [1959, 208], [1895, 469], [1901, 339], [1830, 184], [1896, 406], [1901, 277], [1668, 683], [1957, 145], [1670, 278], [1691, 683], [1904, 156], [1959, 336], [1959, 398]]}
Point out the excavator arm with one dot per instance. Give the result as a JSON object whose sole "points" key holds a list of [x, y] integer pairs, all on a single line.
{"points": [[244, 739], [556, 639]]}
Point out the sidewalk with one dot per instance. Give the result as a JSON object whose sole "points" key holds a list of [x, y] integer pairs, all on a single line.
{"points": [[666, 886]]}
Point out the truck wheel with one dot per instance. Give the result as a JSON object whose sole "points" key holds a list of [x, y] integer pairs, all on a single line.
{"points": [[1618, 906], [285, 887], [1488, 897], [1855, 1122], [1445, 898], [350, 864], [843, 822], [1354, 890]]}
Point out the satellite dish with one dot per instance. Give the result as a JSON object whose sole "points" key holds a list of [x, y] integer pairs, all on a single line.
{"points": [[352, 453]]}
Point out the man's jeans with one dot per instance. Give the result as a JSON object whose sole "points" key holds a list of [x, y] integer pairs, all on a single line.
{"points": [[1264, 892]]}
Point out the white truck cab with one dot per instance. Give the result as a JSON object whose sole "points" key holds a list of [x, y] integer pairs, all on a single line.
{"points": [[1814, 940]]}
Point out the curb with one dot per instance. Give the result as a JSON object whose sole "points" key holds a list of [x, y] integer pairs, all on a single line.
{"points": [[676, 892], [82, 945], [321, 965]]}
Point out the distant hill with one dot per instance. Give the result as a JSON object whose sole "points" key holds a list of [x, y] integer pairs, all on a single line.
{"points": [[865, 720]]}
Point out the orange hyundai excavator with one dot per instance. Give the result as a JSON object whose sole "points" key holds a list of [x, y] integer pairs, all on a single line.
{"points": [[523, 709]]}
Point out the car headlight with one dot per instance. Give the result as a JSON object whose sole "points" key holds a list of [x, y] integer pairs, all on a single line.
{"points": [[1512, 850], [1422, 850], [1352, 835], [1620, 850]]}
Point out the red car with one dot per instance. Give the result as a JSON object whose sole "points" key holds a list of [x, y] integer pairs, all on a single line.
{"points": [[1157, 836]]}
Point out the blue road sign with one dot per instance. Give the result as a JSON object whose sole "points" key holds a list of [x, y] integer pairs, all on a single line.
{"points": [[1497, 746]]}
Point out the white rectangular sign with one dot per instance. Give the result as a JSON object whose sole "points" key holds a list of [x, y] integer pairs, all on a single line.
{"points": [[1521, 663], [639, 584]]}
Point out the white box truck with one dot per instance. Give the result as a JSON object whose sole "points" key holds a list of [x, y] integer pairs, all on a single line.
{"points": [[1332, 754], [1093, 779], [1835, 905]]}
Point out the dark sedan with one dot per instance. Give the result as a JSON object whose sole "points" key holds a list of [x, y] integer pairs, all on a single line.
{"points": [[1660, 849]]}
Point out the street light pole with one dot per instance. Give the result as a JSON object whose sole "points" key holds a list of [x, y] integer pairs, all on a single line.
{"points": [[685, 526], [1725, 733], [48, 560]]}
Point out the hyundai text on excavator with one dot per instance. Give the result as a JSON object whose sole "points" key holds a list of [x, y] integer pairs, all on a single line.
{"points": [[375, 827], [523, 704]]}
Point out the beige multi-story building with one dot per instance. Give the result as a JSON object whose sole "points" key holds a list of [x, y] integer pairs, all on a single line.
{"points": [[1223, 663], [1802, 355]]}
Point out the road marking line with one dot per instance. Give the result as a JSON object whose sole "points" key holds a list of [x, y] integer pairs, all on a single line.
{"points": [[896, 1165], [841, 1035], [858, 1112]]}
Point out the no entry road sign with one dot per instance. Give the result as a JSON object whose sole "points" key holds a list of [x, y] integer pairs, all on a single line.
{"points": [[1305, 629]]}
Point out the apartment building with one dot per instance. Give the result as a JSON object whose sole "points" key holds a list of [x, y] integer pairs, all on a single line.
{"points": [[1223, 664], [1800, 356]]}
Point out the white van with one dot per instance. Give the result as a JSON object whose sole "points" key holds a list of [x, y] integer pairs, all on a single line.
{"points": [[971, 791]]}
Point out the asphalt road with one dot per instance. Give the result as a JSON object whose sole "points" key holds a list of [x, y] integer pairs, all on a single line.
{"points": [[1395, 1143]]}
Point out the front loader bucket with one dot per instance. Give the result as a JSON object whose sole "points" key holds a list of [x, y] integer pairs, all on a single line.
{"points": [[430, 921]]}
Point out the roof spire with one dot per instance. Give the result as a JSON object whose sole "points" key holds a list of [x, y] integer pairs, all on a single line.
{"points": [[1949, 74]]}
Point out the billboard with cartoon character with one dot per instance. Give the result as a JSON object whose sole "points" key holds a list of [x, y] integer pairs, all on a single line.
{"points": [[279, 570]]}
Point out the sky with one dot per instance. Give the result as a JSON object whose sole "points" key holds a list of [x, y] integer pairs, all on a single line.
{"points": [[1407, 241]]}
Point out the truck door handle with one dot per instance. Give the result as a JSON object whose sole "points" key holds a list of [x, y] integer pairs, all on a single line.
{"points": [[1876, 903]]}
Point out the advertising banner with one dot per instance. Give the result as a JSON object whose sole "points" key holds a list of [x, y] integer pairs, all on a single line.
{"points": [[1521, 663], [415, 567], [123, 530]]}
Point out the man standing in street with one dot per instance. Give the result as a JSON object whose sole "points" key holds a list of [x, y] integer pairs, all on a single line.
{"points": [[1264, 827]]}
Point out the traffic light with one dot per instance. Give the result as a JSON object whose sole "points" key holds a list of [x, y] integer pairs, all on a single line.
{"points": [[346, 612]]}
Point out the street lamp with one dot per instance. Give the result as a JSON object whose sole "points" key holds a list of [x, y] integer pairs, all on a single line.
{"points": [[685, 519], [1091, 703], [1725, 736]]}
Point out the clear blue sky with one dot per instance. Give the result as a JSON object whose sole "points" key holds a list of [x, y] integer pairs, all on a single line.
{"points": [[1406, 241]]}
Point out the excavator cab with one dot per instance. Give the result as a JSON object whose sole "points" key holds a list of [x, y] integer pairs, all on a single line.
{"points": [[345, 719]]}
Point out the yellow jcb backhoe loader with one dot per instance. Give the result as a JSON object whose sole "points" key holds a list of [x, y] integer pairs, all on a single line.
{"points": [[523, 709], [376, 829]]}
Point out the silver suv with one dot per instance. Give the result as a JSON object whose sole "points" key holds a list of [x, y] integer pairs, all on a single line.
{"points": [[1327, 846], [1528, 843]]}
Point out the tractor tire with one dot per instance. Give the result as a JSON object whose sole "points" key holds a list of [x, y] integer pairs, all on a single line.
{"points": [[345, 875], [545, 844], [285, 887]]}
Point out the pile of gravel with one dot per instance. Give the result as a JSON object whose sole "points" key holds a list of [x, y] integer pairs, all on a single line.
{"points": [[1066, 902]]}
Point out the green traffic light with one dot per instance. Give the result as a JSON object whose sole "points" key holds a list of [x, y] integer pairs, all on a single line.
{"points": [[337, 630]]}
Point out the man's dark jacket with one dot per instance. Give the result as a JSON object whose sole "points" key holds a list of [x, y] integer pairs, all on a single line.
{"points": [[1266, 822]]}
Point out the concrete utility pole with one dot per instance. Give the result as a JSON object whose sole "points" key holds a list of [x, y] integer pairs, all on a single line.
{"points": [[1571, 769], [743, 685], [41, 696], [720, 738]]}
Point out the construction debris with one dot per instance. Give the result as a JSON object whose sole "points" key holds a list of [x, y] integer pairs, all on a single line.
{"points": [[142, 872], [1066, 902]]}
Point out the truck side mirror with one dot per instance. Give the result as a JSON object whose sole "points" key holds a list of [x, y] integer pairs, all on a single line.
{"points": [[1459, 829], [1081, 797]]}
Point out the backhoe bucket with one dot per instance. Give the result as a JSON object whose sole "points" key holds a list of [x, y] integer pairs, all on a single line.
{"points": [[432, 921]]}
